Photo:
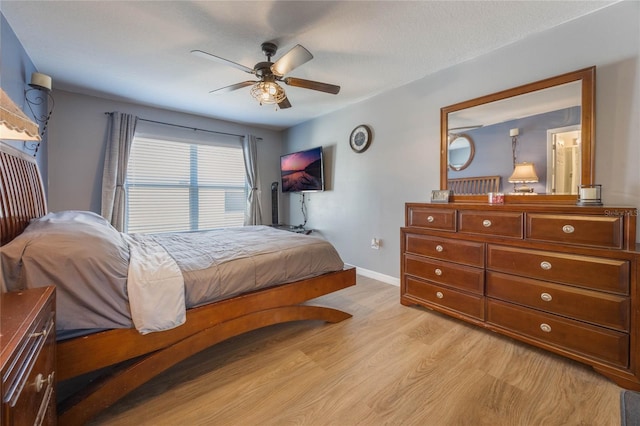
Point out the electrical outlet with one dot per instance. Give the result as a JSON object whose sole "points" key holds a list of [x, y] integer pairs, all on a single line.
{"points": [[375, 243]]}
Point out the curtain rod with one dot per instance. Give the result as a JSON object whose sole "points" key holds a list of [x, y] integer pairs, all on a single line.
{"points": [[187, 127]]}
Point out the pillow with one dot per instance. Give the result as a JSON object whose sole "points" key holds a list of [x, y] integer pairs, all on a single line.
{"points": [[84, 257]]}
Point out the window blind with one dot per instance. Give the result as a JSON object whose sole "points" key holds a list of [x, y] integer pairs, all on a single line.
{"points": [[181, 186]]}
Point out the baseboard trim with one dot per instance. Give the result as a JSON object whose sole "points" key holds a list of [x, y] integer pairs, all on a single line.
{"points": [[377, 276]]}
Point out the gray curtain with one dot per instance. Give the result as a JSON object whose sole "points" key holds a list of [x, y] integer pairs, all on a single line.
{"points": [[121, 128], [252, 213]]}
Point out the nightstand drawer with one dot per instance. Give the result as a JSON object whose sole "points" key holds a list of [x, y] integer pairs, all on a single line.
{"points": [[446, 273], [596, 231], [439, 219], [583, 271], [453, 250], [28, 357], [499, 224], [35, 402], [581, 338], [607, 310], [464, 303]]}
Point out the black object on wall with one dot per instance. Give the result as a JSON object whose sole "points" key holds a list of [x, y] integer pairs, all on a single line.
{"points": [[274, 203]]}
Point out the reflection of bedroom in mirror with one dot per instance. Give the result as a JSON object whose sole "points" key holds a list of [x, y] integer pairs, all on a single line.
{"points": [[557, 109], [564, 161]]}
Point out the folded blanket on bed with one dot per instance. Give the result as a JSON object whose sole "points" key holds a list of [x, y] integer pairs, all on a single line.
{"points": [[155, 286], [105, 279]]}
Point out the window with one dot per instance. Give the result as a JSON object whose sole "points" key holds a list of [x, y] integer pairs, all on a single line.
{"points": [[180, 186]]}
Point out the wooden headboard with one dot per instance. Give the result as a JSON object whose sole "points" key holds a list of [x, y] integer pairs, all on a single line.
{"points": [[21, 192], [474, 185]]}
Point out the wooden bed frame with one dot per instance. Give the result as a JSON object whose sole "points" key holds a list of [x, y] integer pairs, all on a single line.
{"points": [[474, 185], [135, 358]]}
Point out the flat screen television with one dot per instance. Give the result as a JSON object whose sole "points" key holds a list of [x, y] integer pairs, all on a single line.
{"points": [[302, 171]]}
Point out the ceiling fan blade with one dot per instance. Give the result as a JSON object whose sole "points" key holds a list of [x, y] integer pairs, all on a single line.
{"points": [[295, 57], [223, 61], [233, 87], [313, 85], [284, 104]]}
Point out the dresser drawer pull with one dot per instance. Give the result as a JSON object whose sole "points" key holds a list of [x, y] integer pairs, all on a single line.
{"points": [[486, 223], [545, 327], [430, 219], [438, 271], [545, 265], [568, 229], [546, 297], [439, 248], [439, 295]]}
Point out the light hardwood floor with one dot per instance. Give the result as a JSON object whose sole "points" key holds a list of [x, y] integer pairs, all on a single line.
{"points": [[389, 364]]}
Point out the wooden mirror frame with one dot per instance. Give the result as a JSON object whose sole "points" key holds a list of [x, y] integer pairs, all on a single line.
{"points": [[587, 77]]}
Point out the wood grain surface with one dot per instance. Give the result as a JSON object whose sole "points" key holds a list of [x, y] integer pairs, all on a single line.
{"points": [[389, 364]]}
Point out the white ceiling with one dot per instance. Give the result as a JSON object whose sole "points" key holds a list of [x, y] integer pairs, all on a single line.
{"points": [[139, 51]]}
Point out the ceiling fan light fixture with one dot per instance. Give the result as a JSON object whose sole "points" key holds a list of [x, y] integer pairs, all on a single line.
{"points": [[268, 92]]}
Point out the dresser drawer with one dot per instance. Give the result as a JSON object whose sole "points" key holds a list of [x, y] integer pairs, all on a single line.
{"points": [[599, 308], [501, 224], [584, 271], [446, 273], [581, 338], [597, 231], [439, 219], [464, 303], [459, 251]]}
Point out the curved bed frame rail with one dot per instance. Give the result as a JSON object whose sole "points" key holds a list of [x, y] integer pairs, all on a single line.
{"points": [[21, 192], [205, 326]]}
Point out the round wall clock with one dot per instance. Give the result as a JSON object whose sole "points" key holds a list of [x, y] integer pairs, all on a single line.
{"points": [[360, 138]]}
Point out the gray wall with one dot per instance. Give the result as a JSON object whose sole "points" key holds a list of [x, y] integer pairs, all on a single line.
{"points": [[77, 139], [367, 191]]}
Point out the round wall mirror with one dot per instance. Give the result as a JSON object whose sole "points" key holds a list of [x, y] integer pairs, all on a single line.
{"points": [[461, 151]]}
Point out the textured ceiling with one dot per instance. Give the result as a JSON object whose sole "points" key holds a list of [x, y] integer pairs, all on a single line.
{"points": [[138, 51]]}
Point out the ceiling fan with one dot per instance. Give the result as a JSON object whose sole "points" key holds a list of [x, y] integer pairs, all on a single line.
{"points": [[266, 89]]}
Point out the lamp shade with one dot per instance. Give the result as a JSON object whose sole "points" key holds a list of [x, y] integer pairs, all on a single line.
{"points": [[268, 92], [523, 173], [40, 81], [14, 124]]}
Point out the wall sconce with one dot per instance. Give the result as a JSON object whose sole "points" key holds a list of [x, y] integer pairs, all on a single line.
{"points": [[40, 95], [523, 173], [14, 124]]}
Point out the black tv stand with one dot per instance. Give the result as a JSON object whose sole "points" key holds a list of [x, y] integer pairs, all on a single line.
{"points": [[298, 229]]}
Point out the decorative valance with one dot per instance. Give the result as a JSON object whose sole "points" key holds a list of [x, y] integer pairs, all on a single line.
{"points": [[14, 124]]}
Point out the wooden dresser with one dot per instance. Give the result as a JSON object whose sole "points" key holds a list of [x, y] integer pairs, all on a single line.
{"points": [[563, 278], [27, 355]]}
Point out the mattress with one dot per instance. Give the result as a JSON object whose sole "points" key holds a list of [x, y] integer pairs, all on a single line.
{"points": [[90, 263]]}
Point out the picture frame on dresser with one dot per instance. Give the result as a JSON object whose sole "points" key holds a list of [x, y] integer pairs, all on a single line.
{"points": [[440, 195]]}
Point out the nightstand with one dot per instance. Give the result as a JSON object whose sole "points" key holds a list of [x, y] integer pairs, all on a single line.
{"points": [[28, 357]]}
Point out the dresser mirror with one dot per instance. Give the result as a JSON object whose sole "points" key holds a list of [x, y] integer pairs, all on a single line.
{"points": [[548, 123]]}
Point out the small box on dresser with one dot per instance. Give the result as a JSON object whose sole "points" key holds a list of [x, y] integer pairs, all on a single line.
{"points": [[27, 357], [561, 277]]}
